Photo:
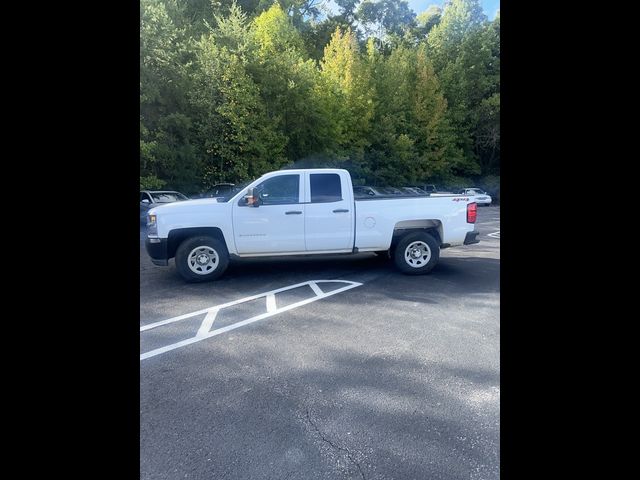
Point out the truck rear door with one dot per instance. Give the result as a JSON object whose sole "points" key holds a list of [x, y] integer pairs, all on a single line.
{"points": [[328, 212]]}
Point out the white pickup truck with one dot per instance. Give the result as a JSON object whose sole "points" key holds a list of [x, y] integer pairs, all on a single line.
{"points": [[306, 212]]}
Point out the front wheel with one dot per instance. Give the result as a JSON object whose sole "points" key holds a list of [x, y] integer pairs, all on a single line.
{"points": [[416, 253], [202, 258]]}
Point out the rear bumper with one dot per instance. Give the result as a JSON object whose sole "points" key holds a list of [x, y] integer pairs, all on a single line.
{"points": [[471, 237], [157, 250]]}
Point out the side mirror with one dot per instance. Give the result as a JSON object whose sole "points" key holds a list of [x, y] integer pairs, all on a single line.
{"points": [[251, 199]]}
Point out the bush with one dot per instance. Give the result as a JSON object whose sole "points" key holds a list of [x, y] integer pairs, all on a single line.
{"points": [[151, 182]]}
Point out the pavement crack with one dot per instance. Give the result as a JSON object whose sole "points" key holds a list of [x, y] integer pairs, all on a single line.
{"points": [[337, 447]]}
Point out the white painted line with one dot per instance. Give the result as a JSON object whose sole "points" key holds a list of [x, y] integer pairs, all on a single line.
{"points": [[203, 335], [494, 234], [225, 305], [316, 289], [271, 303], [207, 322]]}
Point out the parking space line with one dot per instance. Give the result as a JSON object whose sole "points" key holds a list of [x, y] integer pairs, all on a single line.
{"points": [[271, 303], [225, 305], [494, 234], [204, 333], [316, 288], [207, 323]]}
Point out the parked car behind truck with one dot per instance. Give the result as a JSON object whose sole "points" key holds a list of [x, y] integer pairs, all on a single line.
{"points": [[367, 191], [478, 195], [218, 190], [302, 212], [154, 198]]}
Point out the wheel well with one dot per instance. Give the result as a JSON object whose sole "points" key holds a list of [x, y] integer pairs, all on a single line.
{"points": [[176, 237], [433, 230]]}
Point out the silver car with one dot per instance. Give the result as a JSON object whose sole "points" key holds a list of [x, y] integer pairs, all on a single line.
{"points": [[153, 198], [478, 195]]}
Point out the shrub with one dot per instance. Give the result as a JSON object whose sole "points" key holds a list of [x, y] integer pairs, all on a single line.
{"points": [[151, 182]]}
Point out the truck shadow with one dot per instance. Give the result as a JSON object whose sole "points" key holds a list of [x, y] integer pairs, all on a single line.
{"points": [[373, 413], [471, 274], [311, 264]]}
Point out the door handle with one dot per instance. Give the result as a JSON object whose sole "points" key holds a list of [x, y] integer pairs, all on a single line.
{"points": [[293, 212], [341, 210]]}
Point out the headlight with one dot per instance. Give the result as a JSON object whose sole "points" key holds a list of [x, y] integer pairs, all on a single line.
{"points": [[152, 225]]}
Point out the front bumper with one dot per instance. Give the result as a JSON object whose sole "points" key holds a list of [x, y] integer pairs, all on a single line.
{"points": [[157, 250], [471, 237]]}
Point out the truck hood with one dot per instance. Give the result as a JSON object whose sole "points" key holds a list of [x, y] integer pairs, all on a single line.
{"points": [[186, 206], [204, 212]]}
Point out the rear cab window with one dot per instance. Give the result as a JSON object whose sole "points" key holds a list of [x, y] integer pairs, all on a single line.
{"points": [[325, 187]]}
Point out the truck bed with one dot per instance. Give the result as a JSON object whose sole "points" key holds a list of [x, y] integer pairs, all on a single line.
{"points": [[376, 219]]}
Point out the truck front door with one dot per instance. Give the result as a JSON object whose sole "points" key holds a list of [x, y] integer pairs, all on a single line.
{"points": [[277, 225]]}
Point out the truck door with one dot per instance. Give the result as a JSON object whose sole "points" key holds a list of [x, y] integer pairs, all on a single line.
{"points": [[277, 225], [328, 213]]}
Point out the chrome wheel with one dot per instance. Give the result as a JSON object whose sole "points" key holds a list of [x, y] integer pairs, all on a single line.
{"points": [[417, 254], [203, 260]]}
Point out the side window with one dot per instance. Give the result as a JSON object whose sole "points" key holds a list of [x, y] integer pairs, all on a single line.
{"points": [[325, 187], [280, 190], [143, 196]]}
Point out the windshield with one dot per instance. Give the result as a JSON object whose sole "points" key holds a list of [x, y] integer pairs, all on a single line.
{"points": [[167, 197]]}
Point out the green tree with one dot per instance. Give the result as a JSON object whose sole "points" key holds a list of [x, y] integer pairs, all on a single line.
{"points": [[462, 59], [238, 136], [348, 10], [392, 155], [439, 157], [471, 81], [459, 19], [286, 81], [385, 17], [166, 144], [230, 90], [346, 90], [426, 20]]}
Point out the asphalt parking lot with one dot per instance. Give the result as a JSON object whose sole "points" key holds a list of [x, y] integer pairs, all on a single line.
{"points": [[394, 377]]}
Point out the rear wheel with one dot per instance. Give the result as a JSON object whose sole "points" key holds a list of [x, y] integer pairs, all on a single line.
{"points": [[202, 258], [416, 253]]}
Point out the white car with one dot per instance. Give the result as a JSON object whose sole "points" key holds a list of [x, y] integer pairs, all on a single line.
{"points": [[477, 195]]}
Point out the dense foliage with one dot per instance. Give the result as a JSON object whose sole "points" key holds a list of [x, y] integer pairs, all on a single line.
{"points": [[232, 89]]}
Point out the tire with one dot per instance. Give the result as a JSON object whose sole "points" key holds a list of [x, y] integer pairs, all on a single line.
{"points": [[416, 253], [201, 259]]}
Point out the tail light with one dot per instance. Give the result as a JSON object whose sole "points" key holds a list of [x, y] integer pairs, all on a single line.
{"points": [[472, 212]]}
